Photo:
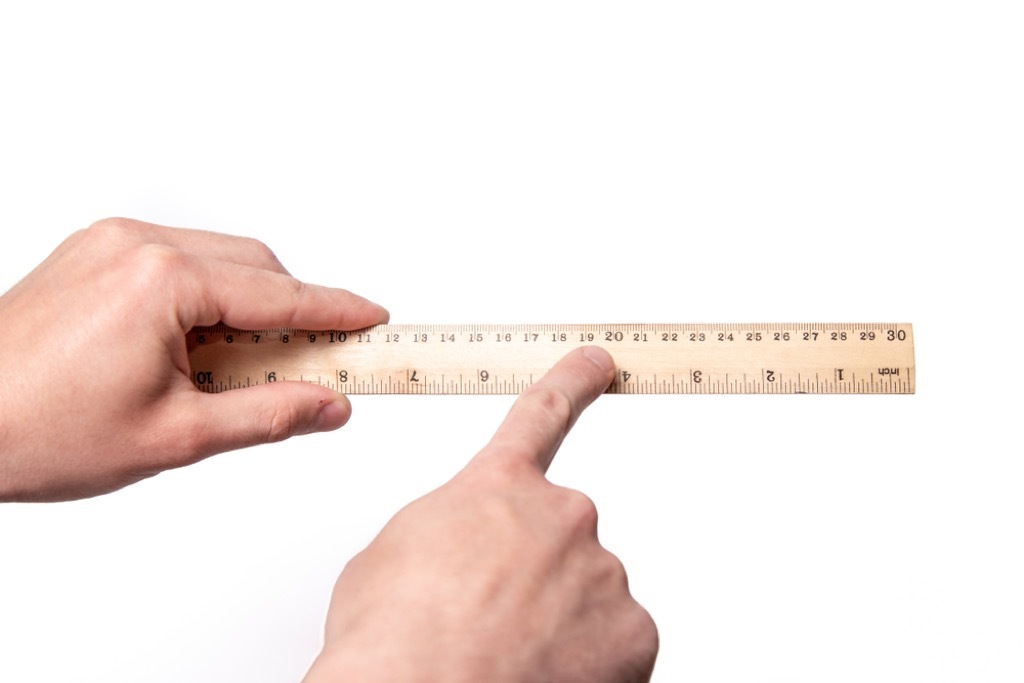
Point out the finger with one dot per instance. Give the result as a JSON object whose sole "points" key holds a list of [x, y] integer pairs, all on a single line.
{"points": [[262, 414], [252, 298], [244, 251], [546, 411]]}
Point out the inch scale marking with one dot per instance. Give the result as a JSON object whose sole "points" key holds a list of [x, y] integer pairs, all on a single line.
{"points": [[671, 358]]}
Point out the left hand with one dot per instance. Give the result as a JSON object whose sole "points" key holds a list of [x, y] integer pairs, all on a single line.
{"points": [[94, 375]]}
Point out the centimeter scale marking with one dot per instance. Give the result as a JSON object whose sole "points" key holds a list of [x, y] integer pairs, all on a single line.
{"points": [[671, 358]]}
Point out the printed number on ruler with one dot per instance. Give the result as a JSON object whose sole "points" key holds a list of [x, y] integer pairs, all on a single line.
{"points": [[678, 358]]}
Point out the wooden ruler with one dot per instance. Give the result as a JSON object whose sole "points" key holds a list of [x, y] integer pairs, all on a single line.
{"points": [[677, 358]]}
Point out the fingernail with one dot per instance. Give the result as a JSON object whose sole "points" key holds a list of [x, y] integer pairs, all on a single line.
{"points": [[600, 358], [332, 415]]}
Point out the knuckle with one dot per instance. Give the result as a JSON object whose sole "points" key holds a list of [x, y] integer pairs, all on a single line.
{"points": [[156, 263], [112, 229], [166, 448], [114, 224], [637, 627], [554, 402], [178, 434], [295, 290], [613, 570], [644, 637], [579, 510], [259, 250]]}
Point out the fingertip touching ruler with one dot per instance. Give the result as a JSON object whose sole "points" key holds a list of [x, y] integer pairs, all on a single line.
{"points": [[667, 358]]}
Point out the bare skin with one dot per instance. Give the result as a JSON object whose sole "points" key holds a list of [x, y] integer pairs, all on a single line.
{"points": [[498, 575], [98, 394]]}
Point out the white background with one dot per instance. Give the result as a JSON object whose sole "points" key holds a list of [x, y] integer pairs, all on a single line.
{"points": [[555, 161]]}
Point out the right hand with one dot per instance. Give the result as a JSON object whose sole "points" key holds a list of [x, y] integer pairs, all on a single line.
{"points": [[498, 575]]}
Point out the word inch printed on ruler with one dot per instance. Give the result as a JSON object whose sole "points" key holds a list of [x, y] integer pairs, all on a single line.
{"points": [[683, 358]]}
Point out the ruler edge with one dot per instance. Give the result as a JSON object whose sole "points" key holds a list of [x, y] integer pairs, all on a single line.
{"points": [[222, 328], [732, 326]]}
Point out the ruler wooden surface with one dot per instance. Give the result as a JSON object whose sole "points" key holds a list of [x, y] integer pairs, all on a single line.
{"points": [[670, 358]]}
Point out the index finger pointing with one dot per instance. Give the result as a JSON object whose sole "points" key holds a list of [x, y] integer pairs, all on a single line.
{"points": [[546, 411]]}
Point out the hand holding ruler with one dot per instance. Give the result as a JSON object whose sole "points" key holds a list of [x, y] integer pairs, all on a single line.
{"points": [[671, 358]]}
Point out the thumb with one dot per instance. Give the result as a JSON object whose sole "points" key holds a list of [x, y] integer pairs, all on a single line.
{"points": [[263, 414]]}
